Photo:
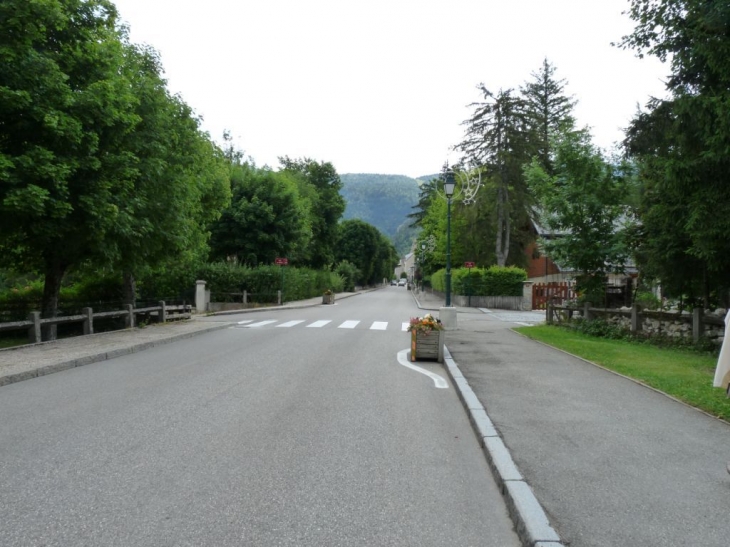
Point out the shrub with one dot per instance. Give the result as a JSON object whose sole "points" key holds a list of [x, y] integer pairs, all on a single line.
{"points": [[647, 300], [492, 281], [297, 283], [349, 274], [599, 328]]}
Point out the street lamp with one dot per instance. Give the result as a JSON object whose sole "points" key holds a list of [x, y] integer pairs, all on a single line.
{"points": [[449, 185], [423, 262]]}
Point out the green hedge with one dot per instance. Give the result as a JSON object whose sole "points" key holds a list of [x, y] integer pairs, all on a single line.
{"points": [[492, 281], [179, 282], [299, 283]]}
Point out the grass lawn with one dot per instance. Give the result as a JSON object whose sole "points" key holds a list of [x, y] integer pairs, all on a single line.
{"points": [[683, 374], [12, 342]]}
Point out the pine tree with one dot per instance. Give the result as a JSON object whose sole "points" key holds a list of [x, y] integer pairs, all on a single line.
{"points": [[497, 141], [549, 110]]}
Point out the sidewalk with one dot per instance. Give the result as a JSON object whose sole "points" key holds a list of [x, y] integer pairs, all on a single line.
{"points": [[25, 362], [610, 461]]}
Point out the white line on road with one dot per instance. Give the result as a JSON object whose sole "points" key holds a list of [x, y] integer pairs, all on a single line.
{"points": [[244, 322], [349, 325], [379, 325], [404, 326], [261, 323], [291, 323], [437, 380], [318, 324]]}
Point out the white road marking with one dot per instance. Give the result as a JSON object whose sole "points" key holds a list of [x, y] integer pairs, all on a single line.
{"points": [[404, 326], [348, 325], [318, 324], [379, 325], [290, 323], [261, 323], [246, 321], [437, 380]]}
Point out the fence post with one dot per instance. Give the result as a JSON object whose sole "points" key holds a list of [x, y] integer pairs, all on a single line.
{"points": [[527, 295], [635, 319], [163, 312], [129, 320], [34, 332], [549, 318], [200, 306], [587, 311], [698, 326], [278, 297], [245, 297], [88, 320]]}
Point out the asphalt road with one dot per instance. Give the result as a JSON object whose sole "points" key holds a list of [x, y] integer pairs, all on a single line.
{"points": [[280, 430]]}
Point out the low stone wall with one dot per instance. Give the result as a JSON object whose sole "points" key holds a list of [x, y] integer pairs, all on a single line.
{"points": [[494, 302], [674, 324], [709, 324]]}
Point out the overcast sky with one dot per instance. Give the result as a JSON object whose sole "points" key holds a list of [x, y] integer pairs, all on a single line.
{"points": [[383, 86]]}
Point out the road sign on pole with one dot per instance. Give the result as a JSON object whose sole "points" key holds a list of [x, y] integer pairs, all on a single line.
{"points": [[281, 261], [468, 264]]}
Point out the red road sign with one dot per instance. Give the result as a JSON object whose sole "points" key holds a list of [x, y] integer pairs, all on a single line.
{"points": [[468, 264], [281, 261]]}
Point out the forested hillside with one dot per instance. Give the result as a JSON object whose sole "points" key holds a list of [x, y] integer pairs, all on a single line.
{"points": [[384, 201]]}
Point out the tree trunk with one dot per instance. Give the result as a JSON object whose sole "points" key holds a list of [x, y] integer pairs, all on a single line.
{"points": [[54, 271], [503, 227], [130, 289]]}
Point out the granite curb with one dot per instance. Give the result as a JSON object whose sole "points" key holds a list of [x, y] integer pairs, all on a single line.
{"points": [[531, 522]]}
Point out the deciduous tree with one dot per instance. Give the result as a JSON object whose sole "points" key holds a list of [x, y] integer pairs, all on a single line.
{"points": [[65, 109], [584, 204]]}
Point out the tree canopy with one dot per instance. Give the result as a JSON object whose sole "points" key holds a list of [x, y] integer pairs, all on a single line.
{"points": [[681, 146], [583, 204], [96, 157]]}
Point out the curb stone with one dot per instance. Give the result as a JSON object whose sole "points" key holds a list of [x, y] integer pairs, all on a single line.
{"points": [[531, 523]]}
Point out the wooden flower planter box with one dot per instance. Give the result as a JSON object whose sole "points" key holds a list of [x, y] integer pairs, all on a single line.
{"points": [[427, 346], [328, 299]]}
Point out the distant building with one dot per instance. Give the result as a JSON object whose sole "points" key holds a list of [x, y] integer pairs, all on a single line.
{"points": [[407, 264]]}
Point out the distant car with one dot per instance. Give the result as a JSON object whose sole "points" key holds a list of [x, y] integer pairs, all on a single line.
{"points": [[401, 282], [394, 282]]}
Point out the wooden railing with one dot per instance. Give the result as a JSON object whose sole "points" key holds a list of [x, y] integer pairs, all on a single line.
{"points": [[161, 313], [636, 320]]}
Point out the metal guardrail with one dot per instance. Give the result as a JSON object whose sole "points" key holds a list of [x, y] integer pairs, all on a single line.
{"points": [[34, 323]]}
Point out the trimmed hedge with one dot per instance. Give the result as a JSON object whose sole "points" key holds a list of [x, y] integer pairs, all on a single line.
{"points": [[299, 283], [492, 281]]}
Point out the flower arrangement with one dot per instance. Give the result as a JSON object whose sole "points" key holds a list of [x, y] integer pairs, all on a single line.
{"points": [[328, 292], [426, 324]]}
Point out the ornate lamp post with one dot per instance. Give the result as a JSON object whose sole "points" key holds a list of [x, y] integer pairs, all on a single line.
{"points": [[449, 185]]}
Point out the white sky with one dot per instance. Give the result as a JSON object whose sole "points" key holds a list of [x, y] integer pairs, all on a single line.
{"points": [[382, 86]]}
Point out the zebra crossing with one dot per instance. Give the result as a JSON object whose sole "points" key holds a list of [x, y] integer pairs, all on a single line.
{"points": [[350, 324]]}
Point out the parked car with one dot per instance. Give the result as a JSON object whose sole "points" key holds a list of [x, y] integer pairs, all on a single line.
{"points": [[401, 282], [394, 282]]}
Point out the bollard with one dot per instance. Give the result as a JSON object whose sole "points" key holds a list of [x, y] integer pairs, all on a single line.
{"points": [[88, 314], [34, 332]]}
